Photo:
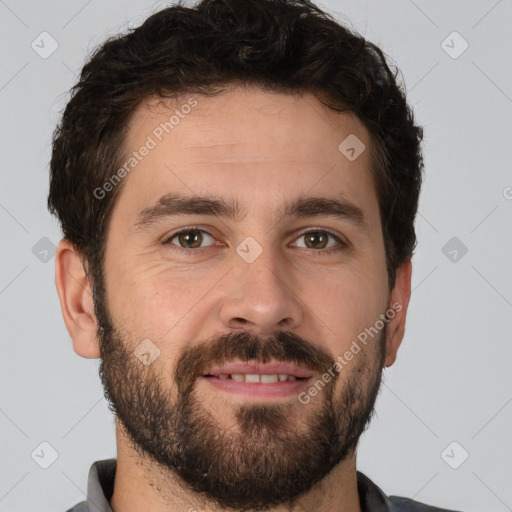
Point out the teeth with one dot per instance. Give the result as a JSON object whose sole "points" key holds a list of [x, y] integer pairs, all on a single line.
{"points": [[256, 378], [269, 378]]}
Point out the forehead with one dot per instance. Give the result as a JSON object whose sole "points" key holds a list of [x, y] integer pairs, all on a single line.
{"points": [[248, 143], [251, 117]]}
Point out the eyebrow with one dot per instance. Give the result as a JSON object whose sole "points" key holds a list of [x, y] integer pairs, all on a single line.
{"points": [[171, 205]]}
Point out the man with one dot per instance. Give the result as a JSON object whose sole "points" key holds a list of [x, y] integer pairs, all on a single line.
{"points": [[237, 185]]}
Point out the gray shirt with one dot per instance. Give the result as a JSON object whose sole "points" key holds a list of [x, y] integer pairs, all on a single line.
{"points": [[372, 499]]}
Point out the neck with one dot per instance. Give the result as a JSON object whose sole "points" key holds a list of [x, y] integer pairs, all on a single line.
{"points": [[141, 484]]}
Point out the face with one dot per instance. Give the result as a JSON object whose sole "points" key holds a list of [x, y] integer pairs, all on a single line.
{"points": [[244, 257]]}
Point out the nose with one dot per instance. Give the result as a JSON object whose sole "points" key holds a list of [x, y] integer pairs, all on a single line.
{"points": [[261, 298]]}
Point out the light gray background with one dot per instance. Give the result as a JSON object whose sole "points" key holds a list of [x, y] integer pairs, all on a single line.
{"points": [[452, 380]]}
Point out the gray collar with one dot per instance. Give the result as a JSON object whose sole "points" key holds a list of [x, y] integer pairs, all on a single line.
{"points": [[102, 475]]}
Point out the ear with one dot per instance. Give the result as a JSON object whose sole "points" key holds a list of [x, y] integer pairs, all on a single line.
{"points": [[399, 301], [75, 295]]}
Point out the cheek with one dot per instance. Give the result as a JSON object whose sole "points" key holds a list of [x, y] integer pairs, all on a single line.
{"points": [[156, 301], [345, 303]]}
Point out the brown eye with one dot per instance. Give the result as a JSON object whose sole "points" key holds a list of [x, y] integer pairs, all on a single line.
{"points": [[316, 240], [319, 240], [191, 238]]}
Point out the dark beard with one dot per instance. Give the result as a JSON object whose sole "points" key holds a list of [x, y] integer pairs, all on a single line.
{"points": [[268, 460]]}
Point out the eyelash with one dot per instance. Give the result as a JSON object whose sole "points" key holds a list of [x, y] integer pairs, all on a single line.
{"points": [[341, 244]]}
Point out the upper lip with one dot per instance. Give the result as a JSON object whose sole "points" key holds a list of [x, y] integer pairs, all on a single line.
{"points": [[260, 369]]}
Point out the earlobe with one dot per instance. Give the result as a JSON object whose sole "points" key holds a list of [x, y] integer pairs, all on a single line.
{"points": [[76, 301], [399, 302]]}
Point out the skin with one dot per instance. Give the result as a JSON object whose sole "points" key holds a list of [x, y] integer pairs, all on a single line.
{"points": [[261, 149]]}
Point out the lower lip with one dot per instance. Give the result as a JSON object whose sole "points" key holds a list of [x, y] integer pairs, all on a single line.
{"points": [[257, 389]]}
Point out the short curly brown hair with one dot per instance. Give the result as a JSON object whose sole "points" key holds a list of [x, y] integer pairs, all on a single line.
{"points": [[287, 46]]}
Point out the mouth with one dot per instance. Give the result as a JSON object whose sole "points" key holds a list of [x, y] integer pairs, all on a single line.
{"points": [[255, 380]]}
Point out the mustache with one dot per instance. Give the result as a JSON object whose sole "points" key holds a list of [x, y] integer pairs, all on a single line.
{"points": [[245, 346]]}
